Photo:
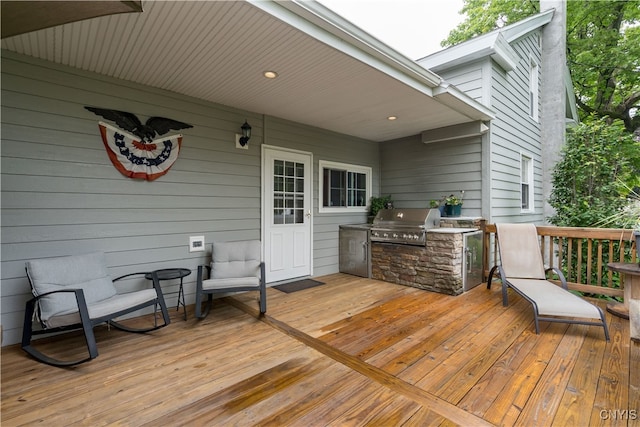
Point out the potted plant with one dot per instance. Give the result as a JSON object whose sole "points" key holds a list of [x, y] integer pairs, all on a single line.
{"points": [[377, 203], [437, 204], [453, 205]]}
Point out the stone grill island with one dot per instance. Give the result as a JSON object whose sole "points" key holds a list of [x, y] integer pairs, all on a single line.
{"points": [[450, 262]]}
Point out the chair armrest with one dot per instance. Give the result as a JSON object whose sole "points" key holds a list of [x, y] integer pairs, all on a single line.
{"points": [[490, 277], [154, 279], [558, 272], [80, 301], [201, 271], [129, 275]]}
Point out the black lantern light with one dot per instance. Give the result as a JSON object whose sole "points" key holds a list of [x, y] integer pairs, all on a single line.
{"points": [[246, 133]]}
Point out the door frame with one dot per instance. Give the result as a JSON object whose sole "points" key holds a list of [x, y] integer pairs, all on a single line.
{"points": [[263, 175]]}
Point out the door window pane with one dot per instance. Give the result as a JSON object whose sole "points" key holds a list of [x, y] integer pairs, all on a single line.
{"points": [[288, 192]]}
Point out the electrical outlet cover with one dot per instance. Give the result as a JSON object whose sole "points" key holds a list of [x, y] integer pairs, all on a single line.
{"points": [[196, 243]]}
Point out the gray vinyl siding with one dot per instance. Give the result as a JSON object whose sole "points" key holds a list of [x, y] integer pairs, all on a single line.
{"points": [[61, 195], [330, 146], [415, 173], [470, 79], [514, 132]]}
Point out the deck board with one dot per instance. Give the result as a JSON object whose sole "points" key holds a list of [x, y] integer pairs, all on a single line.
{"points": [[354, 351]]}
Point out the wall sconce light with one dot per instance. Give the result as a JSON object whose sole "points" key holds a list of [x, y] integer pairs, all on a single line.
{"points": [[242, 141]]}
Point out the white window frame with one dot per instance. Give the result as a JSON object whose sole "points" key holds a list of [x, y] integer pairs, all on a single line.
{"points": [[526, 178], [534, 77], [325, 164]]}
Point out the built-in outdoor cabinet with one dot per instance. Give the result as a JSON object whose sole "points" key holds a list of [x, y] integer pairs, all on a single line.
{"points": [[355, 256], [472, 260]]}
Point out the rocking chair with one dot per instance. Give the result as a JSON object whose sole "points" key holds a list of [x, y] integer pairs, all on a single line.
{"points": [[235, 267], [76, 292]]}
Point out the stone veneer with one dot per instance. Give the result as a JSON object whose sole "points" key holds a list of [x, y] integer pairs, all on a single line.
{"points": [[435, 267]]}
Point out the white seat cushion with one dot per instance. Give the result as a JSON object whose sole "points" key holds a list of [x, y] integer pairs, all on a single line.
{"points": [[552, 300], [232, 282], [104, 308], [87, 272], [235, 259]]}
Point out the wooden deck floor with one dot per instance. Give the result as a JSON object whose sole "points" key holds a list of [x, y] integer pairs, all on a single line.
{"points": [[351, 352]]}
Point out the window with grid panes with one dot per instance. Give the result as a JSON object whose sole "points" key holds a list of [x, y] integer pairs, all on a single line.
{"points": [[344, 187]]}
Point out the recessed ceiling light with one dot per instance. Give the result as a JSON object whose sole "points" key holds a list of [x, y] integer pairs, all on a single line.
{"points": [[270, 74], [391, 118]]}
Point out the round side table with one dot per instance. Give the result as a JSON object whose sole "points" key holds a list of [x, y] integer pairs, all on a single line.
{"points": [[172, 274]]}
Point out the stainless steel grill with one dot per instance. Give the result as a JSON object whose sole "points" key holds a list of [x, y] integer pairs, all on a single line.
{"points": [[404, 226]]}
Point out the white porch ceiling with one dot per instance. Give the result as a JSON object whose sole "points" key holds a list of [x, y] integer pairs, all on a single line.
{"points": [[218, 50]]}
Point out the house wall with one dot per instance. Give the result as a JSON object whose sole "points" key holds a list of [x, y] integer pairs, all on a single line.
{"points": [[325, 145], [415, 173], [511, 133], [61, 195], [514, 132]]}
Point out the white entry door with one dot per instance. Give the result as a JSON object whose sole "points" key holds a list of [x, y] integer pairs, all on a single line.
{"points": [[286, 213]]}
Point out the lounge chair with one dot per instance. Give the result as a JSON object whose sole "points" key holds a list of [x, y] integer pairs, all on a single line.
{"points": [[76, 292], [522, 269], [235, 267]]}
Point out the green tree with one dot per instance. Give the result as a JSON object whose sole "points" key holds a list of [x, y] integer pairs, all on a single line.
{"points": [[603, 49], [598, 165]]}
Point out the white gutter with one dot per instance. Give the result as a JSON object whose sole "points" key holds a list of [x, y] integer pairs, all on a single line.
{"points": [[454, 98]]}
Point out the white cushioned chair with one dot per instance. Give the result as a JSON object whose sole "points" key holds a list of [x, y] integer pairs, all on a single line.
{"points": [[235, 267], [522, 269], [76, 292]]}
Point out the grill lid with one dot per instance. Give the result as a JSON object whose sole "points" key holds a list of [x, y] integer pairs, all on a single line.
{"points": [[407, 218]]}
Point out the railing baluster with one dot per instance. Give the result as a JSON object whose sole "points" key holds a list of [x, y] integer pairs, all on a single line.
{"points": [[609, 272], [589, 263], [560, 251], [579, 266], [569, 258], [599, 263]]}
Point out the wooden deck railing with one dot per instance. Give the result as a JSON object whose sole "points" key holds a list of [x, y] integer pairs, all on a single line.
{"points": [[581, 253]]}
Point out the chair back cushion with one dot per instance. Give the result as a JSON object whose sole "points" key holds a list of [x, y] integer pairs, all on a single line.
{"points": [[87, 272], [520, 254], [235, 259]]}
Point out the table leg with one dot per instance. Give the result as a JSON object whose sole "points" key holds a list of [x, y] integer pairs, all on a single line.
{"points": [[181, 299]]}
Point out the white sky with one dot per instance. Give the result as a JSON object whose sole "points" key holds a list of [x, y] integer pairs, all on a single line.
{"points": [[415, 28]]}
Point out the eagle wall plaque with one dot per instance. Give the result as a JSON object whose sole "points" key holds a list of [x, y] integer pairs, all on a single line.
{"points": [[134, 149]]}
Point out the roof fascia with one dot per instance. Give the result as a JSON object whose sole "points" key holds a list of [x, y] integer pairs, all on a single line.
{"points": [[496, 44], [522, 28], [454, 98], [492, 45]]}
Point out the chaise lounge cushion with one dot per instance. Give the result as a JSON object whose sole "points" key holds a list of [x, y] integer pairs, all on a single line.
{"points": [[552, 300], [87, 272]]}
